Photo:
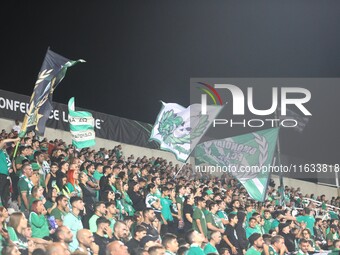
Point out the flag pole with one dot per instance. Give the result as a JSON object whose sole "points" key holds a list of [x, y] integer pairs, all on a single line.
{"points": [[278, 149]]}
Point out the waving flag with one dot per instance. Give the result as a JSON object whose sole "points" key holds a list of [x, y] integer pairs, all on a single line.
{"points": [[52, 72], [81, 127], [179, 129], [247, 157]]}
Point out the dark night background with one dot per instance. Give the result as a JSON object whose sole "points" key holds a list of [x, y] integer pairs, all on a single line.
{"points": [[140, 52]]}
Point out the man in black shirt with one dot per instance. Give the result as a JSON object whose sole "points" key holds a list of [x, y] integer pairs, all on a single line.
{"points": [[149, 216], [137, 199], [120, 231], [188, 212], [284, 230], [134, 244], [230, 238], [103, 228]]}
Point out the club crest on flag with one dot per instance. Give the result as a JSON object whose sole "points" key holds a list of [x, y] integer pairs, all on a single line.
{"points": [[247, 157], [179, 129]]}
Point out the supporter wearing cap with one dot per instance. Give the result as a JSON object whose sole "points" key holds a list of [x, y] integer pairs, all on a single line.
{"points": [[73, 220], [284, 231], [215, 239], [256, 242]]}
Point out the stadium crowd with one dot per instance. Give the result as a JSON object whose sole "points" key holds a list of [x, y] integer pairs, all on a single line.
{"points": [[59, 200]]}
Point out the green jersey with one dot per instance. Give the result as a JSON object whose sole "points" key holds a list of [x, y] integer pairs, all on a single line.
{"points": [[209, 248], [199, 215], [195, 250], [253, 251], [309, 220]]}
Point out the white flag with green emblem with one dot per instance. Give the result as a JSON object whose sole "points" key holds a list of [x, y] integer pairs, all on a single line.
{"points": [[81, 127], [179, 129], [247, 157]]}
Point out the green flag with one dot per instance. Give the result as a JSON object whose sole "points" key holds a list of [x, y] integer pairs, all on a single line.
{"points": [[247, 157], [81, 127]]}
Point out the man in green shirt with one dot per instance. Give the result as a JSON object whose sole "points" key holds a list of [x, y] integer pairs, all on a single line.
{"points": [[256, 242], [221, 212], [304, 247], [99, 211], [199, 222], [5, 168], [180, 190], [195, 239], [267, 221], [170, 243], [214, 223], [25, 186], [60, 211], [336, 248], [215, 239], [277, 246], [251, 229], [308, 219], [331, 236], [24, 151]]}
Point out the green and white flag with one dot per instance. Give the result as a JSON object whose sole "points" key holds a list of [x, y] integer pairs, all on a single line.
{"points": [[179, 129], [81, 127], [247, 157]]}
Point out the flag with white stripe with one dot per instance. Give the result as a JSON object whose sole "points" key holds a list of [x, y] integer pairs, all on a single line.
{"points": [[247, 157], [81, 127]]}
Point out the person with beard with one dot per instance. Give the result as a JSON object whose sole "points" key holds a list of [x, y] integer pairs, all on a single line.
{"points": [[149, 216], [135, 196], [63, 235], [240, 230], [284, 231], [256, 242]]}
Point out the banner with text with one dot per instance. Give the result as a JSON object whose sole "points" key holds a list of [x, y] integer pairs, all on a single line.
{"points": [[14, 106]]}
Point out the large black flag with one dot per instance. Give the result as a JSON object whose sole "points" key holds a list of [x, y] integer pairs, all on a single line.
{"points": [[52, 72]]}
